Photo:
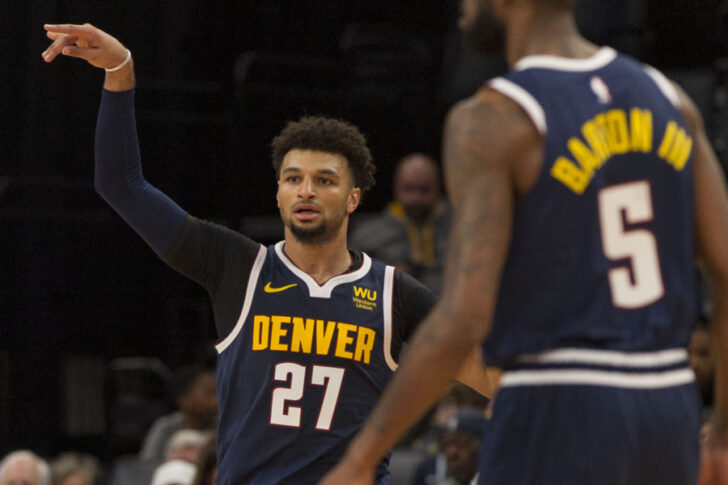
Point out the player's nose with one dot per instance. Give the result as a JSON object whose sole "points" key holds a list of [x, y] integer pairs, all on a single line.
{"points": [[306, 189]]}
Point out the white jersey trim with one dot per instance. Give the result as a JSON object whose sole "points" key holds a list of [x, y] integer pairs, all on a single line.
{"points": [[387, 297], [601, 58], [324, 291], [647, 380], [664, 84], [524, 99], [659, 358], [249, 292]]}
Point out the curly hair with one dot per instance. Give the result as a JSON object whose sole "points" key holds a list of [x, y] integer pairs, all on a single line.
{"points": [[331, 136]]}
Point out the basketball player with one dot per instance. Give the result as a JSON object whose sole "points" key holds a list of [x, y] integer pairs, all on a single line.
{"points": [[583, 185], [310, 332]]}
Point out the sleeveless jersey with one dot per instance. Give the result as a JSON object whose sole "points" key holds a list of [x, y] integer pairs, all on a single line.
{"points": [[301, 370], [602, 252]]}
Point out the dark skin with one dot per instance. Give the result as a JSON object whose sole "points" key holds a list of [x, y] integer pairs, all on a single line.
{"points": [[492, 155], [711, 234]]}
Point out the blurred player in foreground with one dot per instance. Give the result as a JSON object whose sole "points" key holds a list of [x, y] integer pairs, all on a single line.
{"points": [[583, 187]]}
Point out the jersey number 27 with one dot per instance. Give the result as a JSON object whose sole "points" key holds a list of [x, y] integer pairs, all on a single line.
{"points": [[284, 413]]}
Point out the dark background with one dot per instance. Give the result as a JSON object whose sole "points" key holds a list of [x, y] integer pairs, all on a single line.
{"points": [[80, 293]]}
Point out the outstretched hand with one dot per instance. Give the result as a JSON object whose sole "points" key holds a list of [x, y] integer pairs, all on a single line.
{"points": [[85, 42]]}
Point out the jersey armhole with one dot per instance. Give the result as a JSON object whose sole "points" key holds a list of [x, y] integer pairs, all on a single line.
{"points": [[524, 99], [388, 296], [249, 292], [664, 84]]}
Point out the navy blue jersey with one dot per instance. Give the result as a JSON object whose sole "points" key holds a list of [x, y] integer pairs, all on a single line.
{"points": [[301, 370], [602, 254]]}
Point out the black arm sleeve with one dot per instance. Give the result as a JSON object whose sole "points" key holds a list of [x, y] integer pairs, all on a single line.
{"points": [[118, 174], [411, 302], [220, 260]]}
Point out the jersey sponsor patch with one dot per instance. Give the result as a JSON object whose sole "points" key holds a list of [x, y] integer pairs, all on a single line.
{"points": [[365, 298]]}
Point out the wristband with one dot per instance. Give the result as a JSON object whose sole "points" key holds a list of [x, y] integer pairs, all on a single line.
{"points": [[124, 63]]}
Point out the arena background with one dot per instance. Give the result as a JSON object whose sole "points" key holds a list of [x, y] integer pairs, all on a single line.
{"points": [[90, 319]]}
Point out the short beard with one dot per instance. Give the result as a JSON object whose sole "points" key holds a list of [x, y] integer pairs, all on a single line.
{"points": [[308, 236], [486, 35]]}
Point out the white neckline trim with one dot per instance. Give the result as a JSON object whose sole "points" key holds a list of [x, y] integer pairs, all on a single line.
{"points": [[323, 291], [601, 58]]}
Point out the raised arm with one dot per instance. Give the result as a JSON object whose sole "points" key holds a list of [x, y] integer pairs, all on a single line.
{"points": [[118, 174], [711, 236], [483, 137]]}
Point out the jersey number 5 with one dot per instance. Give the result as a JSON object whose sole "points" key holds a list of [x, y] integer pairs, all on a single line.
{"points": [[321, 375], [639, 282]]}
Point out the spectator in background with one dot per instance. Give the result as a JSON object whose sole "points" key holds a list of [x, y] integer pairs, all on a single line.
{"points": [[411, 233], [175, 472], [193, 389], [181, 457], [76, 469], [207, 463], [426, 435], [457, 463], [186, 445], [24, 467]]}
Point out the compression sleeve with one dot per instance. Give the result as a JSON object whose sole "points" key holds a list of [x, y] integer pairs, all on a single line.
{"points": [[118, 175], [412, 302]]}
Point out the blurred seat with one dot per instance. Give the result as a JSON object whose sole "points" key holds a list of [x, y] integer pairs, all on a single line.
{"points": [[403, 463], [390, 76], [137, 395]]}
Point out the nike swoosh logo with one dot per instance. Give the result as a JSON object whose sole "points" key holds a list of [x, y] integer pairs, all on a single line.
{"points": [[269, 289]]}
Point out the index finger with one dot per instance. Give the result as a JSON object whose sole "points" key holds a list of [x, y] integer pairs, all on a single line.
{"points": [[72, 29]]}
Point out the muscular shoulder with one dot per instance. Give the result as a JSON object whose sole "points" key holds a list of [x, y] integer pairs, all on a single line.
{"points": [[490, 130]]}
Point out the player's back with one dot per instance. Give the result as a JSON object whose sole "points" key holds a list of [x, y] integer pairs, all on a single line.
{"points": [[602, 255]]}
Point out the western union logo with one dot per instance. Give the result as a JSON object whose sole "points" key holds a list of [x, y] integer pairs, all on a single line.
{"points": [[365, 293], [365, 298]]}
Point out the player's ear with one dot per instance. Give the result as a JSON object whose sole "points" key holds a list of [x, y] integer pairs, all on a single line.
{"points": [[353, 200]]}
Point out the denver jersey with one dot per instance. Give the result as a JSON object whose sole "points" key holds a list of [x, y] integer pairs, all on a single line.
{"points": [[301, 370], [602, 253]]}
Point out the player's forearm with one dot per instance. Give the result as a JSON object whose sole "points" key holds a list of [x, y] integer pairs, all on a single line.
{"points": [[429, 366]]}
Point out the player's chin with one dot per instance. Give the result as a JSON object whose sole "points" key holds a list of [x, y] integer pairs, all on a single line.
{"points": [[309, 232]]}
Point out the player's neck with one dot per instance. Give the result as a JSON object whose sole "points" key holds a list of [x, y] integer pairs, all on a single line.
{"points": [[320, 260], [539, 33]]}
